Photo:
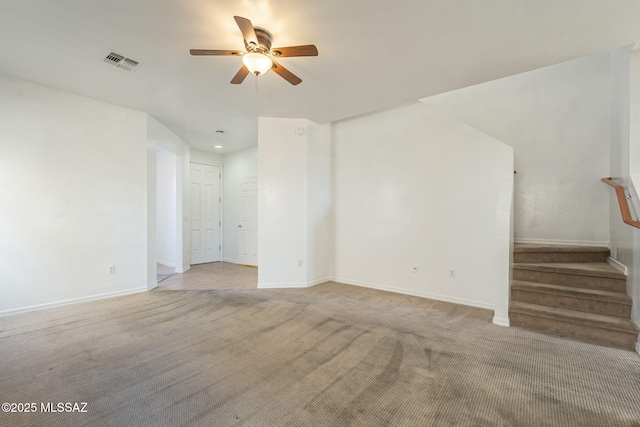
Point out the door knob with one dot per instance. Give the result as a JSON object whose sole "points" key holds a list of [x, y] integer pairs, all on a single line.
{"points": [[239, 225]]}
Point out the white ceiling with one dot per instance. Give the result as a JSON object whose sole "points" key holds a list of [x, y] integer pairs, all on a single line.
{"points": [[373, 54]]}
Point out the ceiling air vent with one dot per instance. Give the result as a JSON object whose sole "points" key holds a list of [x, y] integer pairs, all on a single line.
{"points": [[120, 61]]}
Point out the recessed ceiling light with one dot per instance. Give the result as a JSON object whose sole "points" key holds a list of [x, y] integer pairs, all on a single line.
{"points": [[219, 131], [217, 146]]}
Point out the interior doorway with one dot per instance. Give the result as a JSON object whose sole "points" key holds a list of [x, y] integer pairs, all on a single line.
{"points": [[166, 212], [205, 213], [248, 225]]}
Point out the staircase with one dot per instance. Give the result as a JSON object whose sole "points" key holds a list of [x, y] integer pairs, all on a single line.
{"points": [[571, 291]]}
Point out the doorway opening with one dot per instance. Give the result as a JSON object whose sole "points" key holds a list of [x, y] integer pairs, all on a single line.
{"points": [[166, 213]]}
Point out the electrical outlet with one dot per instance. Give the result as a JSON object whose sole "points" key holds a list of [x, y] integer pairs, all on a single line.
{"points": [[112, 269], [452, 273], [414, 268], [299, 263]]}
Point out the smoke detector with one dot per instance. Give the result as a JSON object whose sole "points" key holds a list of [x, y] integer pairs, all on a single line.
{"points": [[121, 61]]}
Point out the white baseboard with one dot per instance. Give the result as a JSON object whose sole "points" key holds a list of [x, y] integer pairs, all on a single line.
{"points": [[183, 269], [283, 285], [319, 281], [618, 266], [167, 263], [73, 301], [428, 295], [152, 286], [501, 321], [437, 297], [562, 242], [232, 261], [293, 285]]}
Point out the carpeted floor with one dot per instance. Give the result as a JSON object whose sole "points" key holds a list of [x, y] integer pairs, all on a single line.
{"points": [[331, 355]]}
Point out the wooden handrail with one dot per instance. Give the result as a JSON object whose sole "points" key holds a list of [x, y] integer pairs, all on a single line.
{"points": [[622, 202]]}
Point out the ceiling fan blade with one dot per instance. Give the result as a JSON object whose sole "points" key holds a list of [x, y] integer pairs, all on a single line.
{"points": [[240, 75], [248, 32], [215, 52], [305, 50], [286, 74]]}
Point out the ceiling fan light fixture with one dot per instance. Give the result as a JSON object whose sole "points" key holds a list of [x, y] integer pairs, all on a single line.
{"points": [[258, 59], [257, 63]]}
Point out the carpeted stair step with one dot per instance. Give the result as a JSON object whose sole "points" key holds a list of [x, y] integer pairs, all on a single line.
{"points": [[568, 297], [597, 275], [589, 327], [536, 253]]}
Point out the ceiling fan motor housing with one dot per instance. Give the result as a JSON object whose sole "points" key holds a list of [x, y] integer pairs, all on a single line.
{"points": [[264, 41]]}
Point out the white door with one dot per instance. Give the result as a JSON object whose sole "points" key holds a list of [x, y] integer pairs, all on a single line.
{"points": [[249, 221], [205, 213]]}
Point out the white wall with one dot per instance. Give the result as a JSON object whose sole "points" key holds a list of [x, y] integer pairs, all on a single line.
{"points": [[294, 203], [621, 234], [282, 203], [414, 187], [152, 158], [320, 256], [557, 121], [237, 166], [633, 281], [166, 208], [625, 83], [206, 157], [73, 198], [633, 100]]}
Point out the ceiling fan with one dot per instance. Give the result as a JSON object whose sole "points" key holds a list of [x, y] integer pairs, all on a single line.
{"points": [[257, 59]]}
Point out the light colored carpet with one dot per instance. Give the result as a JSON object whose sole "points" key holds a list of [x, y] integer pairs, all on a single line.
{"points": [[331, 355]]}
